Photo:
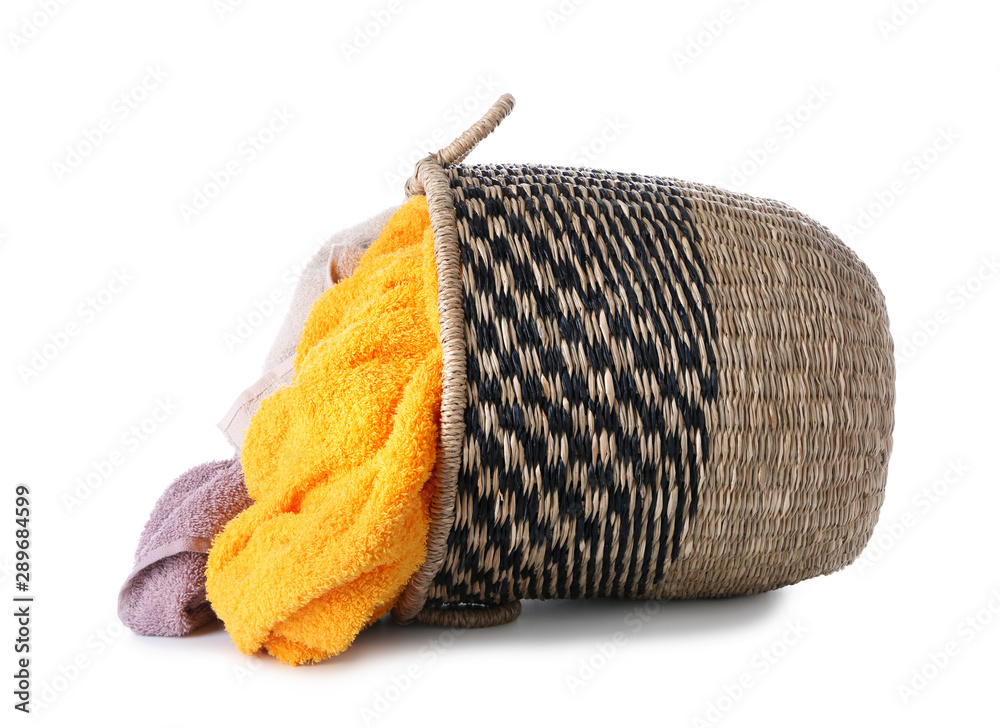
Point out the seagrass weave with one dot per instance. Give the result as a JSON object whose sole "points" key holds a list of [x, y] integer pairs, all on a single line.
{"points": [[652, 389]]}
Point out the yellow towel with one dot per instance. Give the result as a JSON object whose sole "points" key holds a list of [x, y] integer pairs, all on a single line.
{"points": [[339, 463]]}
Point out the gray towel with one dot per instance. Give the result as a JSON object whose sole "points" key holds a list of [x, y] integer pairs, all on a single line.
{"points": [[165, 593]]}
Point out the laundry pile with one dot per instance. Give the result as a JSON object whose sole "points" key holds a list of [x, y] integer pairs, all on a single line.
{"points": [[311, 531]]}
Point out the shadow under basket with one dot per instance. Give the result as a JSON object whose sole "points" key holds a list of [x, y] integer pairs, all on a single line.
{"points": [[651, 389]]}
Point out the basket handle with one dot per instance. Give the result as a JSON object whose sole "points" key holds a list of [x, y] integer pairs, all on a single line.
{"points": [[470, 616], [465, 143]]}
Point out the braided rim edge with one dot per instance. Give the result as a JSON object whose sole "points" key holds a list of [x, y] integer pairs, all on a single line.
{"points": [[470, 616], [430, 179]]}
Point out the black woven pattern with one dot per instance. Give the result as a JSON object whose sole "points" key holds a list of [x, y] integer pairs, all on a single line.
{"points": [[591, 359]]}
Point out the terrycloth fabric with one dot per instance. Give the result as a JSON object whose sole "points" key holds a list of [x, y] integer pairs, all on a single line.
{"points": [[165, 593], [339, 463], [333, 262], [344, 259]]}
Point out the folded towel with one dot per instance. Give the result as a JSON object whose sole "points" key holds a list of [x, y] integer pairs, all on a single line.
{"points": [[165, 593], [339, 463], [333, 262]]}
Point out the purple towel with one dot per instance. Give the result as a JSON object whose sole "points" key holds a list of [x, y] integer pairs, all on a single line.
{"points": [[165, 593]]}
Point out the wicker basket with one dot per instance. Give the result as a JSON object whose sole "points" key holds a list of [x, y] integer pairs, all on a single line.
{"points": [[652, 389]]}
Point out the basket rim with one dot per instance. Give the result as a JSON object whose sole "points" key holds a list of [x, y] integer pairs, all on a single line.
{"points": [[430, 179], [431, 176]]}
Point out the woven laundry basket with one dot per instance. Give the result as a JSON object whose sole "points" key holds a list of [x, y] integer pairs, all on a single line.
{"points": [[651, 389]]}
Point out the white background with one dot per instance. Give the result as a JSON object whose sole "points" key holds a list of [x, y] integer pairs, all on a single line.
{"points": [[666, 88]]}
